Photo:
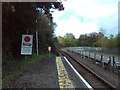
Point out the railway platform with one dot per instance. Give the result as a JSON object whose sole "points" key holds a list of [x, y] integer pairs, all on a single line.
{"points": [[54, 72]]}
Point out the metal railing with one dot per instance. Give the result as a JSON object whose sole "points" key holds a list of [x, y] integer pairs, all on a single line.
{"points": [[109, 62], [99, 49]]}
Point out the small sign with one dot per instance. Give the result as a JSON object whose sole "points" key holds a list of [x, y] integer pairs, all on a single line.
{"points": [[49, 49], [26, 47]]}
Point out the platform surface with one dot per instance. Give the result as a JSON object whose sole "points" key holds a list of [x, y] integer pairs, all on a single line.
{"points": [[50, 73], [43, 74], [73, 77]]}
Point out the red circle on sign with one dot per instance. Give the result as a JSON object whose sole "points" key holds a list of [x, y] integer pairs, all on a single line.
{"points": [[49, 50], [27, 39]]}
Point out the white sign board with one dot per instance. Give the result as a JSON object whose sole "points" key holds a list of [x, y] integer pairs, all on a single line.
{"points": [[26, 47], [49, 49]]}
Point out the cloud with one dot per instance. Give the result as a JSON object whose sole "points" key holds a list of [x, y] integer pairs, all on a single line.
{"points": [[86, 16], [73, 25]]}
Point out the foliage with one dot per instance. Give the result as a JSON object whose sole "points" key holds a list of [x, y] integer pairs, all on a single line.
{"points": [[67, 41], [20, 17], [92, 40], [17, 18], [19, 67]]}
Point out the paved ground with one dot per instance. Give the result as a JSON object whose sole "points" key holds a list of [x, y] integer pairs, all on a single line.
{"points": [[64, 79], [43, 74], [50, 73], [76, 82]]}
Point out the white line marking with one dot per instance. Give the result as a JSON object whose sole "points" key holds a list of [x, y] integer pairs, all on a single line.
{"points": [[84, 81]]}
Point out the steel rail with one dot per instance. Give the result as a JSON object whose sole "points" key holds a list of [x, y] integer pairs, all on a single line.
{"points": [[93, 73]]}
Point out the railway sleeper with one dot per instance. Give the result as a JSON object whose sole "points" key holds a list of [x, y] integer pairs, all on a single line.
{"points": [[97, 76], [105, 65]]}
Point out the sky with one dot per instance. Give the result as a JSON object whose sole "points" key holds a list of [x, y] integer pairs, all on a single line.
{"points": [[87, 16]]}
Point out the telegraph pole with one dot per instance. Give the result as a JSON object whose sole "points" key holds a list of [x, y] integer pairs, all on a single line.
{"points": [[36, 39], [36, 42]]}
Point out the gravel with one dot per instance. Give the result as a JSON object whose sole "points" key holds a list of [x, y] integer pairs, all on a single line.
{"points": [[107, 75]]}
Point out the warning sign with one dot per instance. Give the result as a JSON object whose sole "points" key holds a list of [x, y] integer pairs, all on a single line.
{"points": [[26, 47], [49, 49]]}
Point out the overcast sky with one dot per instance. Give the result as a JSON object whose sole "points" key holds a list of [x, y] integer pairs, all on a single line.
{"points": [[86, 16]]}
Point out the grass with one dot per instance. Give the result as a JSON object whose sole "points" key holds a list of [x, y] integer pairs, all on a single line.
{"points": [[23, 66]]}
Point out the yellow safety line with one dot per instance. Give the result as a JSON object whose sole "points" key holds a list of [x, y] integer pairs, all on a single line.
{"points": [[59, 76], [64, 79]]}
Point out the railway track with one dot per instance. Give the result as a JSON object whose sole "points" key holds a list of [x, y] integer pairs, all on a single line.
{"points": [[94, 80]]}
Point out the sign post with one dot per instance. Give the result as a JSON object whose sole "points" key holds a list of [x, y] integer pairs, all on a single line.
{"points": [[49, 49], [26, 47]]}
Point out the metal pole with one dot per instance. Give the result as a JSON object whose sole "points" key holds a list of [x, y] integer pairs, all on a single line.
{"points": [[95, 57], [85, 53], [26, 55], [101, 59], [27, 31], [49, 54], [37, 42], [110, 63], [89, 55], [82, 54], [113, 63]]}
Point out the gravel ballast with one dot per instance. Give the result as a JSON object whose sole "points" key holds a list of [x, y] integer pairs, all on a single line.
{"points": [[107, 75]]}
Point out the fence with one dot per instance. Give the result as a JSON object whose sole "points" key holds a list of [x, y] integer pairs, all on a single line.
{"points": [[99, 49], [109, 62]]}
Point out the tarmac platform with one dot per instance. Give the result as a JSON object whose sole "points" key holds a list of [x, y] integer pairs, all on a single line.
{"points": [[53, 72]]}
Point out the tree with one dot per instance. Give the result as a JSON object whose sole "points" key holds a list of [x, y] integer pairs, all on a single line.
{"points": [[69, 36], [88, 39], [68, 40], [17, 18]]}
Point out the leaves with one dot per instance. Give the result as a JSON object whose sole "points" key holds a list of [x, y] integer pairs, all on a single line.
{"points": [[17, 18], [92, 40], [68, 40], [24, 16]]}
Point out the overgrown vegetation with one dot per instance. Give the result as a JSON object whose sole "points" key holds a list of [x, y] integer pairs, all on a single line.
{"points": [[16, 68], [17, 18]]}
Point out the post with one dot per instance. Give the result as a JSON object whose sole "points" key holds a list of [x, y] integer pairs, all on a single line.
{"points": [[49, 50], [85, 53], [101, 59], [82, 54], [113, 63], [95, 57], [89, 55], [36, 42], [109, 64], [26, 55]]}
